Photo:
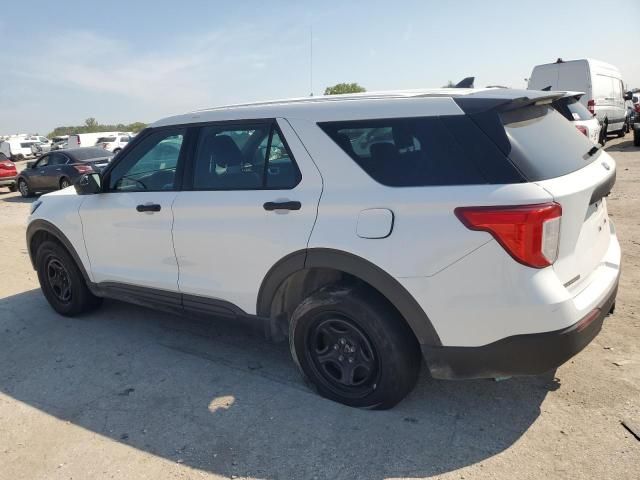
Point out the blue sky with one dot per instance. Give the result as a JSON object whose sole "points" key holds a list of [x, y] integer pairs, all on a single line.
{"points": [[140, 61]]}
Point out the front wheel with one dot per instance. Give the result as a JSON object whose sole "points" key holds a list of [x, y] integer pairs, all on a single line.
{"points": [[12, 187], [353, 347], [622, 132], [64, 183], [62, 282]]}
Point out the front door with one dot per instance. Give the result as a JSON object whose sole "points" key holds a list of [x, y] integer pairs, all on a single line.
{"points": [[127, 228], [251, 197]]}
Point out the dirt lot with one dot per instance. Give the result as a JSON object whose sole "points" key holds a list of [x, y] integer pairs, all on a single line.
{"points": [[131, 393]]}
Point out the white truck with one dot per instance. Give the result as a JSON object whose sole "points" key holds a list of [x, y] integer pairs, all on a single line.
{"points": [[602, 83]]}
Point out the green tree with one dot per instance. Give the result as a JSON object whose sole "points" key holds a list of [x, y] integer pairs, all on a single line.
{"points": [[91, 124], [341, 88]]}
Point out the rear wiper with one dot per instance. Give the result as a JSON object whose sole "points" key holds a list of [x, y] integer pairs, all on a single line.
{"points": [[591, 152]]}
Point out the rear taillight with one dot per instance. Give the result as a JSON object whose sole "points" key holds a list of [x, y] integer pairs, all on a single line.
{"points": [[83, 168], [529, 233], [591, 106], [7, 164], [583, 129], [637, 107]]}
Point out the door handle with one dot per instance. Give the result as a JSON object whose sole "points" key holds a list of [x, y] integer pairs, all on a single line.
{"points": [[148, 207], [286, 205]]}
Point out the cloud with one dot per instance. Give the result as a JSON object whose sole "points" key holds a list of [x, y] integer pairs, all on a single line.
{"points": [[182, 72]]}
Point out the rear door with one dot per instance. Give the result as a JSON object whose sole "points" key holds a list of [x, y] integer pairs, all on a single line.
{"points": [[576, 173], [250, 198]]}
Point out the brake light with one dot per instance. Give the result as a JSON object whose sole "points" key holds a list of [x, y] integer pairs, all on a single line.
{"points": [[591, 106], [583, 129], [83, 168], [529, 233]]}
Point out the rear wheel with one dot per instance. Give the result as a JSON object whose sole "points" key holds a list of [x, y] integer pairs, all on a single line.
{"points": [[115, 151], [64, 183], [636, 137], [62, 282], [13, 188], [622, 132], [603, 134], [354, 348], [23, 186]]}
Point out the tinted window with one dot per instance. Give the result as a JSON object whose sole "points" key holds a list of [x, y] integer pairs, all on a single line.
{"points": [[572, 109], [3, 157], [415, 151], [105, 140], [543, 144], [27, 144], [244, 157], [43, 162], [151, 165], [57, 159], [124, 139], [88, 153]]}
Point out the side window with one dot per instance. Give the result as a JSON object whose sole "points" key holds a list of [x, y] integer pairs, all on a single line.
{"points": [[282, 172], [403, 152], [247, 157], [57, 159], [43, 162], [151, 165], [229, 158]]}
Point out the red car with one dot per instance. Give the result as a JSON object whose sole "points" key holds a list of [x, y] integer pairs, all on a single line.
{"points": [[8, 173]]}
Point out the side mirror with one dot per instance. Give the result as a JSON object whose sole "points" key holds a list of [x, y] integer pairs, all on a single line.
{"points": [[88, 184], [628, 96]]}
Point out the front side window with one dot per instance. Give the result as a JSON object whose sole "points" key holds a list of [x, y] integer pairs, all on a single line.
{"points": [[247, 157], [43, 162], [151, 165]]}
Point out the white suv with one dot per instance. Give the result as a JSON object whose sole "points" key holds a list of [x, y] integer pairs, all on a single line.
{"points": [[468, 227], [113, 143]]}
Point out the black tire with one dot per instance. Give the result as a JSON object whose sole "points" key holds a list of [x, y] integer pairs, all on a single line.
{"points": [[23, 187], [603, 134], [338, 323], [13, 188], [115, 151], [636, 137], [62, 282], [64, 183], [622, 132]]}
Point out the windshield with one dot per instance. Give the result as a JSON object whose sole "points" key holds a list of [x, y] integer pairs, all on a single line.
{"points": [[543, 144]]}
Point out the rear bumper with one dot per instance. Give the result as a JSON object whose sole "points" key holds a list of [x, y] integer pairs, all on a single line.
{"points": [[4, 181], [528, 354]]}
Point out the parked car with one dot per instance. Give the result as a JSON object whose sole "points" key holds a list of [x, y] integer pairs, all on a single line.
{"points": [[89, 139], [569, 107], [17, 149], [8, 173], [58, 170], [113, 143], [605, 94], [473, 233]]}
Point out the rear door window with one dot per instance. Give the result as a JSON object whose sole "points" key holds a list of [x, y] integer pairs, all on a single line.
{"points": [[572, 109]]}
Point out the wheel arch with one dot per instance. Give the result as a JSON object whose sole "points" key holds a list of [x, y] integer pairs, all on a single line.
{"points": [[39, 231], [298, 274]]}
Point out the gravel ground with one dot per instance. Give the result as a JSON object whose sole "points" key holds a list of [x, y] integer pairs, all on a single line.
{"points": [[131, 393]]}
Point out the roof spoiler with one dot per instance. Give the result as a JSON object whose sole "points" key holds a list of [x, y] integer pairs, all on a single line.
{"points": [[471, 104], [466, 82]]}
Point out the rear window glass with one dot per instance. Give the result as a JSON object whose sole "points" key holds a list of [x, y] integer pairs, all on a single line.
{"points": [[83, 154], [422, 151], [543, 144], [105, 139], [572, 109], [27, 144]]}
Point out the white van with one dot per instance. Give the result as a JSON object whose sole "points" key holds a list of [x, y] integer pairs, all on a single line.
{"points": [[17, 148], [87, 139], [605, 95]]}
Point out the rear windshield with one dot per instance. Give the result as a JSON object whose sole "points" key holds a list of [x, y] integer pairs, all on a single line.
{"points": [[543, 144], [85, 154], [422, 151], [572, 109]]}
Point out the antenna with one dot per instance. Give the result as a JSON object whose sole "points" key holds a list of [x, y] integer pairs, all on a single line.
{"points": [[311, 60]]}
